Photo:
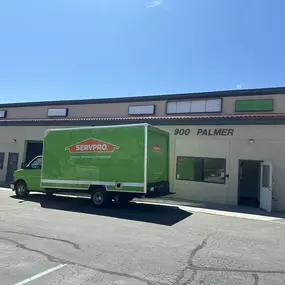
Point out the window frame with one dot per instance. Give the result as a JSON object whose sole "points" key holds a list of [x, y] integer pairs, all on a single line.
{"points": [[203, 158], [191, 100], [142, 114], [57, 115], [3, 114], [2, 152]]}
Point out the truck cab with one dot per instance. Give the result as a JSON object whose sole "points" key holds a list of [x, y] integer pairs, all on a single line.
{"points": [[28, 178]]}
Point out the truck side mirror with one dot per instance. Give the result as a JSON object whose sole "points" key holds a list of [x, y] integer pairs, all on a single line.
{"points": [[23, 165]]}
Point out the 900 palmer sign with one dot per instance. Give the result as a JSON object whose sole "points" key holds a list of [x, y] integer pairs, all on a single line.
{"points": [[205, 132]]}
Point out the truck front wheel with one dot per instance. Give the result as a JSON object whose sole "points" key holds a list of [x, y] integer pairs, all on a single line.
{"points": [[21, 189], [99, 197]]}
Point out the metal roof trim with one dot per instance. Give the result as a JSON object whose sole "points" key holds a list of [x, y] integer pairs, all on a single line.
{"points": [[161, 97], [136, 118]]}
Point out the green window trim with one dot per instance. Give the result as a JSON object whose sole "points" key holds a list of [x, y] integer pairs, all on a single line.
{"points": [[254, 105]]}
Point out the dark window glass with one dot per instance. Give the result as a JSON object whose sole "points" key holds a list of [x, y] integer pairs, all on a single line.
{"points": [[189, 168], [265, 176], [214, 170], [37, 163], [2, 157], [201, 169]]}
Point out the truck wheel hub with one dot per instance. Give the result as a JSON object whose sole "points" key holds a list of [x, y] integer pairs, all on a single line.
{"points": [[98, 198], [21, 189]]}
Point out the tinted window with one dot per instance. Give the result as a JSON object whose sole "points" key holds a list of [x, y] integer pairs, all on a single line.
{"points": [[37, 163], [2, 157], [201, 169]]}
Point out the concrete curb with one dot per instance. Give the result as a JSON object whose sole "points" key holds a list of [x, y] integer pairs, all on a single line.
{"points": [[220, 210], [212, 209]]}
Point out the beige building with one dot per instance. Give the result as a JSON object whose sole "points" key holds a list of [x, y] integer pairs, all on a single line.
{"points": [[226, 147]]}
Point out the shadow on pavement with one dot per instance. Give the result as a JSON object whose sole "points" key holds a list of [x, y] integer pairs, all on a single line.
{"points": [[218, 207], [149, 213]]}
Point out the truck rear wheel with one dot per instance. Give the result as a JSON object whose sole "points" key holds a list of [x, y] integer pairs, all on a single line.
{"points": [[99, 197], [21, 189]]}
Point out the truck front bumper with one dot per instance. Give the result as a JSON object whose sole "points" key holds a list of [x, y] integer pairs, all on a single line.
{"points": [[157, 189]]}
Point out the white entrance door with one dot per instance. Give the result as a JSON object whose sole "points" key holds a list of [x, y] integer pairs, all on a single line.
{"points": [[266, 186]]}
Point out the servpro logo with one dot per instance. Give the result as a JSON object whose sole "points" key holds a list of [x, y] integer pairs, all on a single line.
{"points": [[92, 145], [157, 148]]}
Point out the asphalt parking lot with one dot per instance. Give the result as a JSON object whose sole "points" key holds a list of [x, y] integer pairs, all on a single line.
{"points": [[64, 240]]}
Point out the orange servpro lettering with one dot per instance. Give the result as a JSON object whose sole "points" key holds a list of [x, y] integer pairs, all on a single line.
{"points": [[157, 148], [92, 145]]}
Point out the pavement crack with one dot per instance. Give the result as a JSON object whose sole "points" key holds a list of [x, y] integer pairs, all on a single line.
{"points": [[196, 249], [256, 279], [55, 259], [49, 257], [222, 269], [190, 265], [178, 280], [75, 245], [195, 268], [191, 279]]}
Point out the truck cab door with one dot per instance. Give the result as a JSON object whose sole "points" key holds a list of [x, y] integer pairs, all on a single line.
{"points": [[32, 174]]}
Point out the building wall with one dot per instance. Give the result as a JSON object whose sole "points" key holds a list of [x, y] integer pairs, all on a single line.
{"points": [[21, 135], [268, 145], [85, 110], [120, 109]]}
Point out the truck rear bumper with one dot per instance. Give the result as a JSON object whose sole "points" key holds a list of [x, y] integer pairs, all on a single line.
{"points": [[157, 189]]}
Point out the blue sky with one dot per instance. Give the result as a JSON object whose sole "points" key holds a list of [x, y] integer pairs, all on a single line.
{"points": [[71, 49]]}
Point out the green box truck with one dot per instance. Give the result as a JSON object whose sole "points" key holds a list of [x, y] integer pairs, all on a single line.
{"points": [[110, 162]]}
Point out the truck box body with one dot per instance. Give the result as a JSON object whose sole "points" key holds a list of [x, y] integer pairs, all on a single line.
{"points": [[125, 158]]}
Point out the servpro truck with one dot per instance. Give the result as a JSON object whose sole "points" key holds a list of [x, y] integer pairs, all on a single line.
{"points": [[110, 162]]}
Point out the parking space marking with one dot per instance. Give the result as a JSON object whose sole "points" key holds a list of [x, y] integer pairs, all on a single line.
{"points": [[40, 274]]}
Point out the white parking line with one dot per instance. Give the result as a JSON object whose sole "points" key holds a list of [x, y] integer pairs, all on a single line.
{"points": [[40, 274]]}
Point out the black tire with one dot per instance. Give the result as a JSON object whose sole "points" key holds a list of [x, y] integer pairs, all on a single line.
{"points": [[100, 197], [21, 189]]}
